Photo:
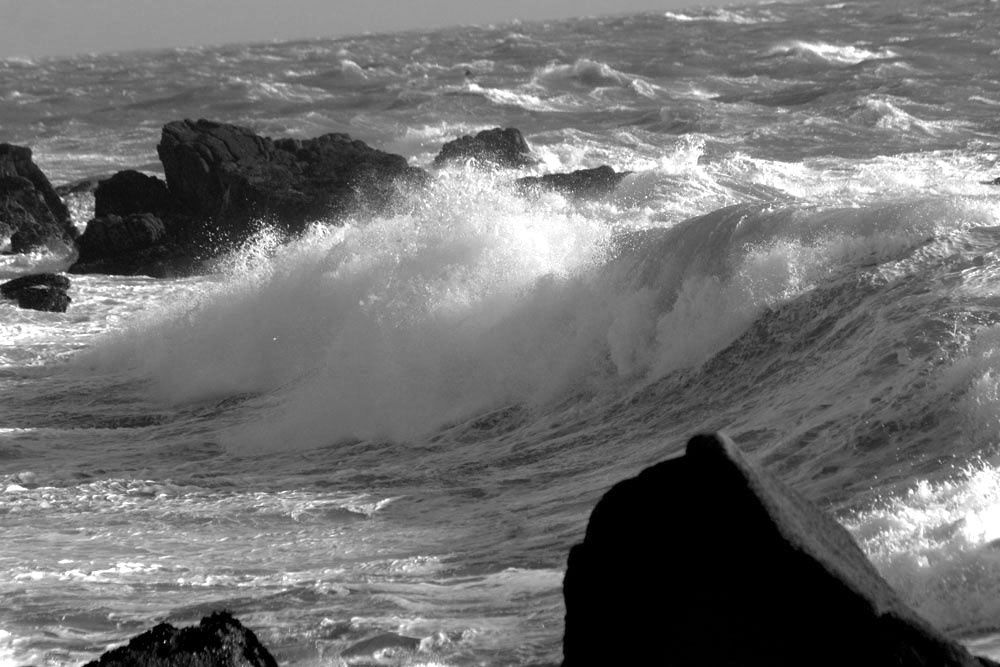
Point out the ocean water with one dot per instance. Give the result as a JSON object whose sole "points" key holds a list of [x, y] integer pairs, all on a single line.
{"points": [[401, 424]]}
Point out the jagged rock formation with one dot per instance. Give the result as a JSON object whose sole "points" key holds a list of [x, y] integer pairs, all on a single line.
{"points": [[222, 183], [230, 176], [31, 213], [218, 641]]}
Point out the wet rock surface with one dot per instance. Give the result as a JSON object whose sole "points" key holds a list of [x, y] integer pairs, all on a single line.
{"points": [[40, 291], [499, 147], [584, 183], [31, 212]]}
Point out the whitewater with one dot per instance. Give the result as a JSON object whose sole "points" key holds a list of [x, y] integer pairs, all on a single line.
{"points": [[401, 423]]}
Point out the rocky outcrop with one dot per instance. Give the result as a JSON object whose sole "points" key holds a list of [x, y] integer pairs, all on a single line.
{"points": [[705, 559], [113, 235], [222, 182], [583, 183], [218, 641], [136, 244], [129, 192], [497, 147], [31, 213], [231, 177], [41, 291]]}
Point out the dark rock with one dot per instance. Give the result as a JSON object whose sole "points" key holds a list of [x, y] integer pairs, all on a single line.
{"points": [[232, 177], [706, 560], [41, 291], [496, 147], [44, 298], [113, 235], [224, 183], [11, 287], [167, 260], [129, 192], [31, 212], [134, 245], [218, 641], [584, 183]]}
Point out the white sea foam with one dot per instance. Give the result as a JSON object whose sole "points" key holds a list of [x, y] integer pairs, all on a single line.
{"points": [[847, 54], [721, 15], [584, 71], [479, 299], [514, 98], [739, 220], [937, 545]]}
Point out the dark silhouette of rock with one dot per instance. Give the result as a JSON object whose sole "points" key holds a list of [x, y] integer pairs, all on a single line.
{"points": [[31, 213], [497, 147], [704, 559], [131, 191], [583, 183], [223, 184], [136, 244], [232, 177], [113, 235], [218, 641], [41, 291]]}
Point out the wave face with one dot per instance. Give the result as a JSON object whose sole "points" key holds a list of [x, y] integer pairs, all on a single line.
{"points": [[401, 423]]}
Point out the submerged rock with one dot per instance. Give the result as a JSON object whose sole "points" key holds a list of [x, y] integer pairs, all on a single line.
{"points": [[31, 212], [704, 559], [218, 641], [41, 291], [497, 147], [583, 183]]}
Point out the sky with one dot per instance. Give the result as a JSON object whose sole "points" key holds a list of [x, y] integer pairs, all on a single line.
{"points": [[65, 27]]}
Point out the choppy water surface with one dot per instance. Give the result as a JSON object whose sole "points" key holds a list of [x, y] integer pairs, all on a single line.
{"points": [[401, 424]]}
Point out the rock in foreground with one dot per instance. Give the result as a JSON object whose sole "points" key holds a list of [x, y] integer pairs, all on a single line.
{"points": [[218, 641], [706, 560], [41, 291]]}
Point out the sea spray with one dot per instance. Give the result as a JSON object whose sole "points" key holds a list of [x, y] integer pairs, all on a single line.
{"points": [[477, 299], [804, 255]]}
